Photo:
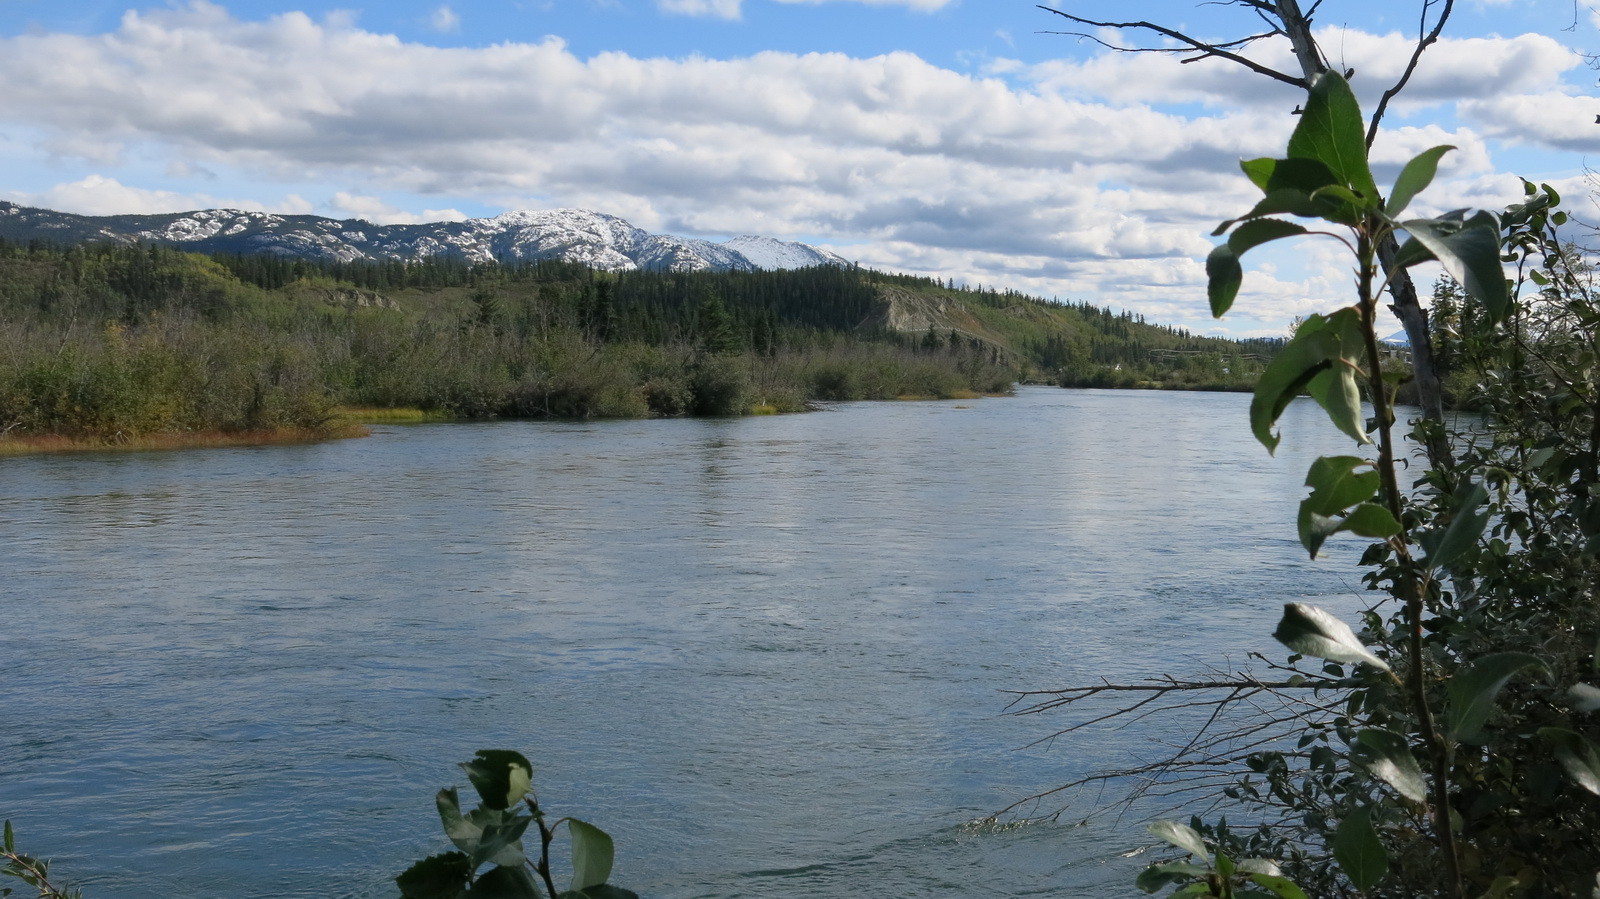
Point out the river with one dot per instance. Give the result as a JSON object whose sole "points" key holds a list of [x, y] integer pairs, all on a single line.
{"points": [[769, 655]]}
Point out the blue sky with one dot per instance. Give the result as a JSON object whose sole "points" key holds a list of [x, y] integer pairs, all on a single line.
{"points": [[948, 137]]}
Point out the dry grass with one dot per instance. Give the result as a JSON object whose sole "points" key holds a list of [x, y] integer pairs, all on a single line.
{"points": [[55, 443], [374, 415], [951, 395]]}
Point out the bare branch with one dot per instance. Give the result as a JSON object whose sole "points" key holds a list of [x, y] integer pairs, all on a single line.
{"points": [[1425, 38], [1204, 48]]}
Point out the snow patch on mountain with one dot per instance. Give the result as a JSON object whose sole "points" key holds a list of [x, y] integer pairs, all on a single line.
{"points": [[771, 253]]}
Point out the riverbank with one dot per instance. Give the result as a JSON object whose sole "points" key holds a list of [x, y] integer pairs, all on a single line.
{"points": [[30, 444], [349, 423]]}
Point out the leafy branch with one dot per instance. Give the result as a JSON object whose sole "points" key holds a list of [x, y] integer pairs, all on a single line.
{"points": [[492, 835], [32, 871]]}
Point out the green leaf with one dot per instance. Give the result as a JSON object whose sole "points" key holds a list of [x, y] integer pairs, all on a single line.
{"points": [[1286, 201], [1182, 836], [1225, 866], [1332, 131], [1259, 171], [501, 776], [502, 842], [1415, 178], [1387, 755], [1340, 204], [1280, 886], [461, 832], [1359, 851], [1444, 547], [1577, 754], [1155, 877], [1472, 693], [1224, 276], [506, 882], [1585, 697], [1371, 520], [1412, 252], [592, 854], [1223, 272], [1310, 630], [1336, 390], [1520, 213], [1260, 866], [1254, 233], [1322, 359], [1469, 251], [1304, 357], [10, 837], [1336, 484], [482, 835], [1335, 487], [436, 877], [1303, 175]]}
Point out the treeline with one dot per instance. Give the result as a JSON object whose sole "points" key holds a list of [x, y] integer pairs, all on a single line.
{"points": [[1071, 344], [110, 343], [107, 343]]}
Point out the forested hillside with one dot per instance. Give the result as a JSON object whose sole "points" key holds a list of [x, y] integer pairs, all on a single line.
{"points": [[109, 344]]}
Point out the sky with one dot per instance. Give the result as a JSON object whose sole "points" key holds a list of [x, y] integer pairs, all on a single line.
{"points": [[960, 139]]}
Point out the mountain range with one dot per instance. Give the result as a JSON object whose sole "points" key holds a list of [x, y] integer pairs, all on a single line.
{"points": [[576, 235]]}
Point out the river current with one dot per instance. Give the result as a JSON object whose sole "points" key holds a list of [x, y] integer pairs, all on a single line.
{"points": [[770, 655]]}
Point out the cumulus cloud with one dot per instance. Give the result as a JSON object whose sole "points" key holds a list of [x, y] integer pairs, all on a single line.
{"points": [[100, 195], [1076, 179], [373, 209], [1453, 69], [1549, 119]]}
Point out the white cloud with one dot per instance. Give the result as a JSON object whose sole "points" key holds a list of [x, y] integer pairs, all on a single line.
{"points": [[1452, 69], [1550, 119], [722, 9], [348, 205], [100, 195], [445, 20], [1083, 181]]}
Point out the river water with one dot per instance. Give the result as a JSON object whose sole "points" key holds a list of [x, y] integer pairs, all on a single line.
{"points": [[769, 655]]}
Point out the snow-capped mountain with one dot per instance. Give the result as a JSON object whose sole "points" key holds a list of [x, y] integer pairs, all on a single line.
{"points": [[576, 235]]}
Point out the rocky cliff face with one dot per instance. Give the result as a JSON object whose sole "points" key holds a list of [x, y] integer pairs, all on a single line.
{"points": [[575, 235]]}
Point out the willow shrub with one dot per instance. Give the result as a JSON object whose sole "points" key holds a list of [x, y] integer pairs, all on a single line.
{"points": [[1450, 747], [121, 382]]}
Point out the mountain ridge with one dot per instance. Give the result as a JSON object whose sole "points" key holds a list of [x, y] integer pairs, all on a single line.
{"points": [[596, 239]]}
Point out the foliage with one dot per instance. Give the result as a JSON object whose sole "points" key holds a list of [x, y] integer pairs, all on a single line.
{"points": [[32, 871], [1449, 746], [112, 344], [492, 835], [1217, 874], [1459, 722]]}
